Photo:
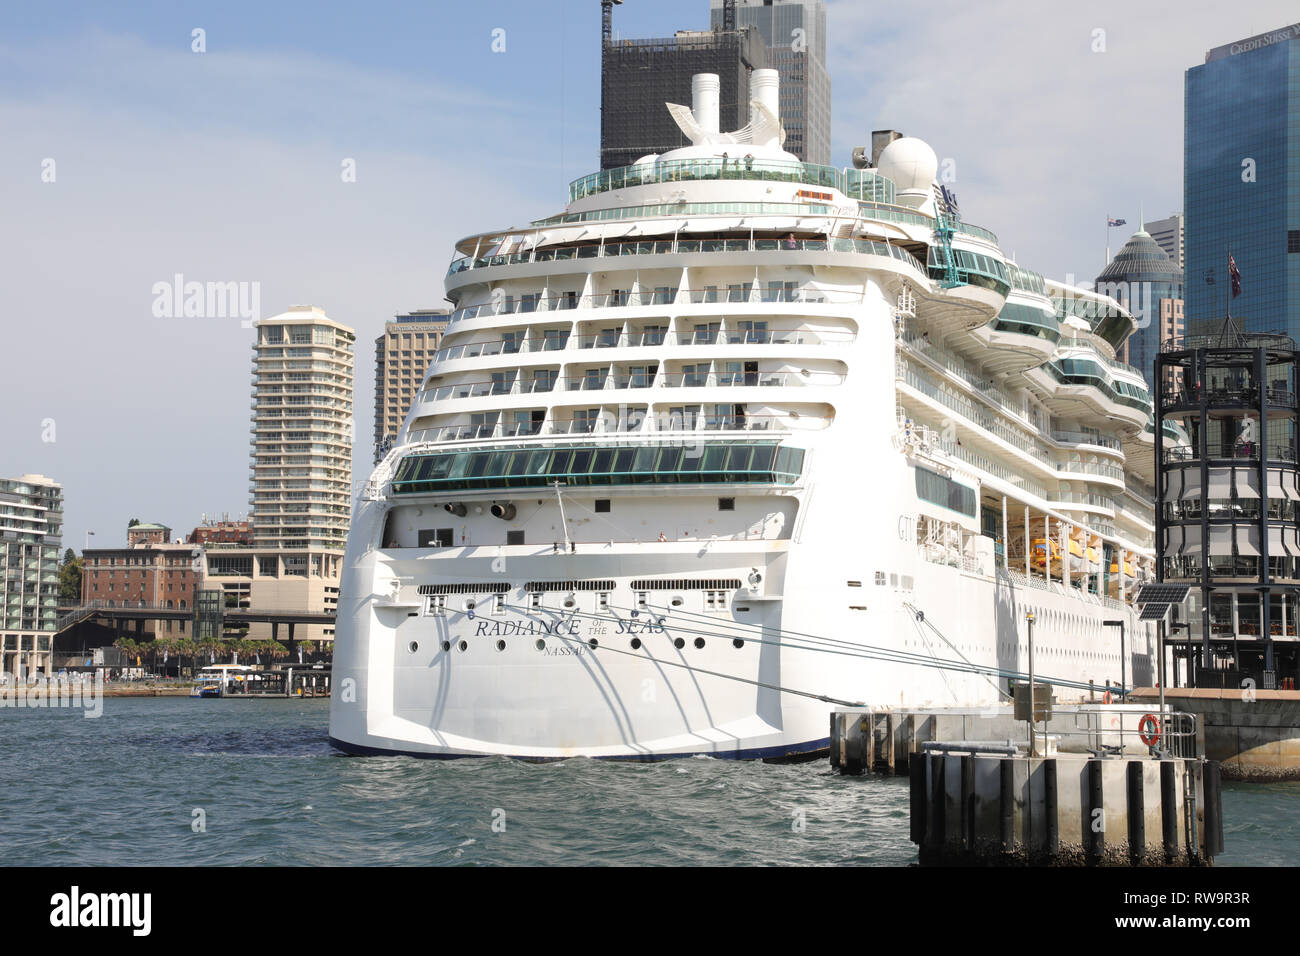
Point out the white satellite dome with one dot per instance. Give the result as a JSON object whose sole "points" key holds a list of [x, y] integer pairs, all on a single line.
{"points": [[910, 163]]}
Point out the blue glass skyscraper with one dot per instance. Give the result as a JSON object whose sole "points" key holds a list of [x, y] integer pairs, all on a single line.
{"points": [[1241, 184]]}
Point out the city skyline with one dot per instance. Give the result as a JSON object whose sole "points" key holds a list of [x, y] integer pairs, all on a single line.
{"points": [[229, 166]]}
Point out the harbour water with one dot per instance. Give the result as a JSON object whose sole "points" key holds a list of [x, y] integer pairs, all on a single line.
{"points": [[175, 781]]}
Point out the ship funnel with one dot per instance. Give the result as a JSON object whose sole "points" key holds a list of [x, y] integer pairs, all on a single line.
{"points": [[457, 508], [705, 91], [765, 88], [503, 510]]}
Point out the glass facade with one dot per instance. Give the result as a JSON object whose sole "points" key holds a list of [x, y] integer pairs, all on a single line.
{"points": [[1241, 182], [718, 462], [794, 32]]}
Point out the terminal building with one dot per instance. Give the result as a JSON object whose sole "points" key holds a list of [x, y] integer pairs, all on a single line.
{"points": [[1228, 500]]}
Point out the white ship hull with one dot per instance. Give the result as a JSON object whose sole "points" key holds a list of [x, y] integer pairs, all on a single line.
{"points": [[543, 570]]}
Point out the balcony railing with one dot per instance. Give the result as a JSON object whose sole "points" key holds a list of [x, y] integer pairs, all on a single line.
{"points": [[632, 424], [688, 247]]}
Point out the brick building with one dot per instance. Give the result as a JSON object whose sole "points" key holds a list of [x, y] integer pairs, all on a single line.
{"points": [[145, 575], [222, 533]]}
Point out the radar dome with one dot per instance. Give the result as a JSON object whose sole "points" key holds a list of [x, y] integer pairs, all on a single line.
{"points": [[910, 163]]}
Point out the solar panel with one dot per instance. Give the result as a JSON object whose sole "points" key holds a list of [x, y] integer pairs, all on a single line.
{"points": [[1153, 612], [1162, 594]]}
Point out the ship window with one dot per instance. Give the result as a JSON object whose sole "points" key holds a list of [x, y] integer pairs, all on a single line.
{"points": [[514, 537], [880, 578], [535, 599], [499, 604], [602, 504], [726, 504], [731, 462]]}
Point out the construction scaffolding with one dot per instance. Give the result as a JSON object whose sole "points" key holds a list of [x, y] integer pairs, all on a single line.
{"points": [[638, 77]]}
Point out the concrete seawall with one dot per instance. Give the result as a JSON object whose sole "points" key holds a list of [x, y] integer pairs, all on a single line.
{"points": [[1254, 734]]}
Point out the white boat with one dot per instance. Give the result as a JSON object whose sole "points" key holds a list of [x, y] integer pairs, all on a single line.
{"points": [[730, 441]]}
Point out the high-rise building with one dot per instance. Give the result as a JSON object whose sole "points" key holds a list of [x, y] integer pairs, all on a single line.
{"points": [[1168, 234], [637, 77], [402, 356], [301, 466], [31, 531], [794, 32], [1144, 280], [1241, 184]]}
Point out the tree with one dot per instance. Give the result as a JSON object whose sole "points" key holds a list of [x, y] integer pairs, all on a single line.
{"points": [[306, 647], [133, 522], [70, 578]]}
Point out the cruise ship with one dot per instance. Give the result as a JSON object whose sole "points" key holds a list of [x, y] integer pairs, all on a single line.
{"points": [[734, 440]]}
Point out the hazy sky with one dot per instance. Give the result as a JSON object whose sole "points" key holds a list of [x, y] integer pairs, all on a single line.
{"points": [[225, 166]]}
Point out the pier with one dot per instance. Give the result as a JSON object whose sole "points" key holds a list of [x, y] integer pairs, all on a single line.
{"points": [[1088, 785]]}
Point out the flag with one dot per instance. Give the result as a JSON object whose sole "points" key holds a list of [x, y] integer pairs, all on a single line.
{"points": [[1115, 222], [1235, 274]]}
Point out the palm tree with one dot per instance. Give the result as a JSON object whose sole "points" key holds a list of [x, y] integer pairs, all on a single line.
{"points": [[306, 647]]}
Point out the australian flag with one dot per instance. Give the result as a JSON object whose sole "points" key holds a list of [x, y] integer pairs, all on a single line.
{"points": [[1115, 222], [1235, 274]]}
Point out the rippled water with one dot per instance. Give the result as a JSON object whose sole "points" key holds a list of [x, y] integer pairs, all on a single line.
{"points": [[123, 790]]}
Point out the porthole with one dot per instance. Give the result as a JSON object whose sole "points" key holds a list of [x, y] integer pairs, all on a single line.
{"points": [[593, 644], [463, 646], [699, 643], [413, 646], [679, 643], [470, 605], [570, 602], [737, 643], [541, 644], [501, 645], [636, 643], [677, 602], [446, 645]]}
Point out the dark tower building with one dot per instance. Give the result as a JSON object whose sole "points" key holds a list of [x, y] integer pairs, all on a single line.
{"points": [[637, 77]]}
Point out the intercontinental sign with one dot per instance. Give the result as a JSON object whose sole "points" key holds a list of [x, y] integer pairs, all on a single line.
{"points": [[1254, 43]]}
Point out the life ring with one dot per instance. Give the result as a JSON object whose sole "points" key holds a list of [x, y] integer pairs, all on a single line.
{"points": [[1106, 698], [1153, 735]]}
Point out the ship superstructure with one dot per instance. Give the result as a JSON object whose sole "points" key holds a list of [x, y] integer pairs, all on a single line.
{"points": [[731, 439]]}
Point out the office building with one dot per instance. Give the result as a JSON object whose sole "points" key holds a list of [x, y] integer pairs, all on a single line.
{"points": [[402, 356], [794, 32], [31, 531], [1241, 182], [1168, 234], [1144, 280]]}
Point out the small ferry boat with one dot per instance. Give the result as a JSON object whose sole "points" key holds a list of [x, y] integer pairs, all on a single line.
{"points": [[220, 680]]}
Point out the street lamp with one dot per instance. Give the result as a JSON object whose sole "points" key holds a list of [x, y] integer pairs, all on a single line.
{"points": [[1122, 655]]}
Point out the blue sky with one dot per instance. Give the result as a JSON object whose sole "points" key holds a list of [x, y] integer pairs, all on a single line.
{"points": [[225, 166]]}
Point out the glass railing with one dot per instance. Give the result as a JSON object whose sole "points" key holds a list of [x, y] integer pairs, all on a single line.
{"points": [[688, 209], [632, 423], [987, 420], [685, 247], [712, 168], [1074, 372]]}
